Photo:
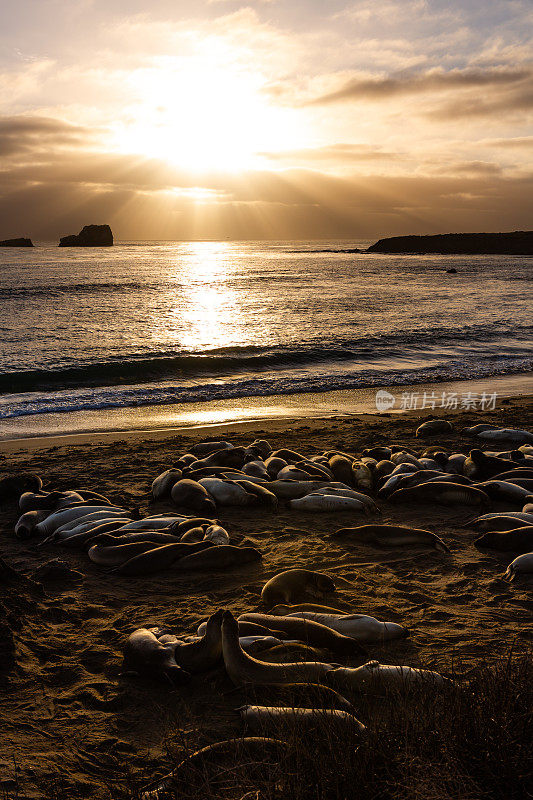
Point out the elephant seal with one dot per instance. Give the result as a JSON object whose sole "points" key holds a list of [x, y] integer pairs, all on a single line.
{"points": [[194, 535], [26, 524], [290, 456], [206, 652], [160, 558], [433, 427], [57, 519], [12, 486], [217, 535], [206, 448], [274, 465], [517, 540], [308, 631], [504, 491], [262, 718], [104, 537], [192, 494], [162, 485], [489, 466], [504, 521], [226, 493], [327, 503], [376, 677], [293, 583], [261, 494], [145, 655], [522, 565], [217, 558], [244, 669], [249, 629], [391, 536], [357, 626], [37, 501], [112, 556], [446, 494], [506, 435]]}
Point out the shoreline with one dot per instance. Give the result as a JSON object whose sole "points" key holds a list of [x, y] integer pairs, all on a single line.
{"points": [[219, 415]]}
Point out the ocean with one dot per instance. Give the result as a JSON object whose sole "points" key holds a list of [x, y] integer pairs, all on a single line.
{"points": [[165, 323]]}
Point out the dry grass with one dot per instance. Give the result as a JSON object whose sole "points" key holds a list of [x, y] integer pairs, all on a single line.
{"points": [[468, 743]]}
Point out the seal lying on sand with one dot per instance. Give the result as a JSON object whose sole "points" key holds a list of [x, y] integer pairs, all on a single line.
{"points": [[357, 626], [391, 536], [160, 558], [202, 654], [292, 584], [433, 427], [217, 558], [376, 677], [446, 494], [192, 494], [523, 565], [144, 654], [309, 632], [243, 669], [265, 718], [517, 540]]}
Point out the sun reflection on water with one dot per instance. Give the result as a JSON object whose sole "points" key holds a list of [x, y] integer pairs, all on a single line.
{"points": [[208, 312]]}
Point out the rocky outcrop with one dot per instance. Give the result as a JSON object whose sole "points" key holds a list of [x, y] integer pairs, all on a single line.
{"points": [[89, 236], [515, 243], [16, 243]]}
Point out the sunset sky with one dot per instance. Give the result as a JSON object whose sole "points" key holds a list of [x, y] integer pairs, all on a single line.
{"points": [[180, 119]]}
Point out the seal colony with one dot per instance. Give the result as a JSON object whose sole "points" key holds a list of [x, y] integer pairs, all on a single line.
{"points": [[296, 609]]}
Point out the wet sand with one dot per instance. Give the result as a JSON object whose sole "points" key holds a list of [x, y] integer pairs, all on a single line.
{"points": [[68, 715]]}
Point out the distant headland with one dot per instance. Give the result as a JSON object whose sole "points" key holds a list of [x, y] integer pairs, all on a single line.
{"points": [[517, 243], [89, 236], [16, 243]]}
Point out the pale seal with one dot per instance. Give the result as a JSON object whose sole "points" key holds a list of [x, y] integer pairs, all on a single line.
{"points": [[263, 718], [309, 632], [376, 677], [357, 626], [293, 583]]}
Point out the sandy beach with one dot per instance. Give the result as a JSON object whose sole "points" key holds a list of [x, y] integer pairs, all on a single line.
{"points": [[70, 717]]}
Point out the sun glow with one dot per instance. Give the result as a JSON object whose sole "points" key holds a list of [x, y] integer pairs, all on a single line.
{"points": [[201, 115]]}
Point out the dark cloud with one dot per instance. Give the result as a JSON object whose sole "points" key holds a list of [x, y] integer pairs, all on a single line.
{"points": [[19, 135], [518, 82]]}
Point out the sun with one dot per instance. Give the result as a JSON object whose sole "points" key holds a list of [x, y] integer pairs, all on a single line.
{"points": [[203, 116]]}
